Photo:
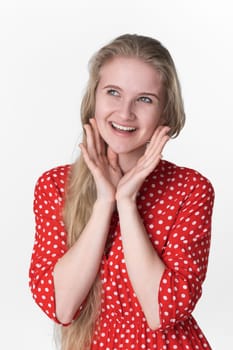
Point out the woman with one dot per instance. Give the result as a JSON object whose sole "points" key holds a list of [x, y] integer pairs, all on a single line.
{"points": [[122, 236]]}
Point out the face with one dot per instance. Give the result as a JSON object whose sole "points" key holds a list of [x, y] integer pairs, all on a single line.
{"points": [[129, 104]]}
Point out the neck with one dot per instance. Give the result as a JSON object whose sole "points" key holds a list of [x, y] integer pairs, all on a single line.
{"points": [[128, 160]]}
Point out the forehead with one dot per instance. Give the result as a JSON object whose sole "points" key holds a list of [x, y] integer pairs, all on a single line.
{"points": [[125, 71]]}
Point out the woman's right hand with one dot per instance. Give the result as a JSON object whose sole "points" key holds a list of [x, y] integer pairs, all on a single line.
{"points": [[104, 167]]}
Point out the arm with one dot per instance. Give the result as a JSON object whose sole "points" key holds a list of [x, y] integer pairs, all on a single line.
{"points": [[144, 266], [60, 279], [50, 237], [186, 255], [76, 271]]}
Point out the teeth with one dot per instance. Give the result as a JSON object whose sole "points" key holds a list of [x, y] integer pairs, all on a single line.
{"points": [[123, 128]]}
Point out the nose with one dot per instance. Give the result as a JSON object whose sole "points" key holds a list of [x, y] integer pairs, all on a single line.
{"points": [[126, 110]]}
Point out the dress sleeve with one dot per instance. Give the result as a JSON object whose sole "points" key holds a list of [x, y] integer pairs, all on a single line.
{"points": [[186, 256], [50, 238]]}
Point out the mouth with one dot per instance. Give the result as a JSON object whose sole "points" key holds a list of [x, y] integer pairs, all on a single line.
{"points": [[122, 128]]}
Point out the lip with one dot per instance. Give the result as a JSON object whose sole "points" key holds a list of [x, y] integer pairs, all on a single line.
{"points": [[131, 128]]}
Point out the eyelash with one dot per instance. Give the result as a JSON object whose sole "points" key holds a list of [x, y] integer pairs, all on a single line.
{"points": [[144, 99], [113, 92]]}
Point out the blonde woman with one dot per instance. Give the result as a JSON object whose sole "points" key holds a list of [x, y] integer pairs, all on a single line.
{"points": [[122, 236]]}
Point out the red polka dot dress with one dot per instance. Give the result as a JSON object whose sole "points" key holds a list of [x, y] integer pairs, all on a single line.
{"points": [[175, 204]]}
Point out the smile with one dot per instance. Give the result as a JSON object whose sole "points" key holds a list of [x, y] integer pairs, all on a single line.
{"points": [[122, 128]]}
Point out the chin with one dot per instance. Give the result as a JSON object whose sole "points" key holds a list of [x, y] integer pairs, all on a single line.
{"points": [[123, 150], [120, 150]]}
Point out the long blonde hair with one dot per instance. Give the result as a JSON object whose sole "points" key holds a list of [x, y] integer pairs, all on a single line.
{"points": [[81, 191]]}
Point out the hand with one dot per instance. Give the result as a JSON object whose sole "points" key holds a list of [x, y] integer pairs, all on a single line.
{"points": [[103, 165], [131, 182]]}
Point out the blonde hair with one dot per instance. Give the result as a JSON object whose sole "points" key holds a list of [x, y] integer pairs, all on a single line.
{"points": [[81, 191]]}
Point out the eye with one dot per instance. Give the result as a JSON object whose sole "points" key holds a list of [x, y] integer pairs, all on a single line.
{"points": [[112, 92], [145, 99]]}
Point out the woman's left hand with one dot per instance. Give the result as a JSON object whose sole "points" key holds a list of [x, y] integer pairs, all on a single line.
{"points": [[131, 182]]}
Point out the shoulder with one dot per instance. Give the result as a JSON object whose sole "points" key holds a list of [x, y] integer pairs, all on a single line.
{"points": [[53, 181], [180, 178], [56, 174]]}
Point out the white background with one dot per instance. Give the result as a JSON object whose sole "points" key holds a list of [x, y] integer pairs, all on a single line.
{"points": [[44, 49]]}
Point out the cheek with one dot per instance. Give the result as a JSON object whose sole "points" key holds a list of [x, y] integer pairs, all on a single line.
{"points": [[152, 112], [102, 108], [151, 124], [101, 111], [152, 117], [97, 107]]}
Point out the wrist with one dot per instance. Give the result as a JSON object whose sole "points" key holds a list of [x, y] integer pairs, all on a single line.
{"points": [[126, 203], [104, 205], [122, 198]]}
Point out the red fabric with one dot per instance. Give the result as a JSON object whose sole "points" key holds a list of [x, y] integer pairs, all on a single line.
{"points": [[176, 206]]}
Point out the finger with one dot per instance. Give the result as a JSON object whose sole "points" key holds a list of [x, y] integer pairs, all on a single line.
{"points": [[90, 164], [151, 157], [157, 147], [158, 134], [159, 129], [95, 135], [153, 154], [156, 144], [100, 145], [156, 153], [91, 147]]}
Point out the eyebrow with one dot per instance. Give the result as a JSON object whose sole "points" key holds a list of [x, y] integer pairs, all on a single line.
{"points": [[141, 93]]}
